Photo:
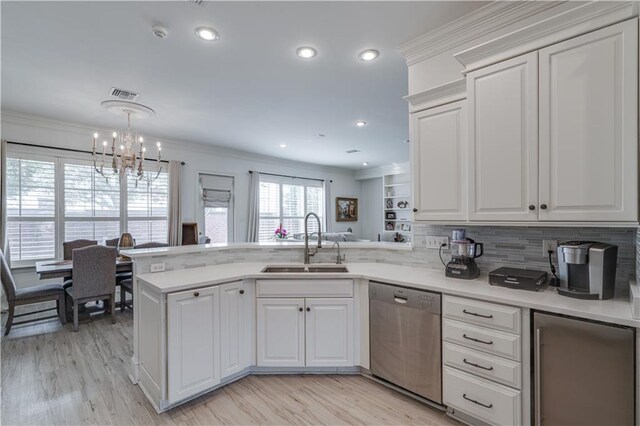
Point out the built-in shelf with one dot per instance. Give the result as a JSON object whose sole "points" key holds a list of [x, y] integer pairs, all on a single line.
{"points": [[397, 188]]}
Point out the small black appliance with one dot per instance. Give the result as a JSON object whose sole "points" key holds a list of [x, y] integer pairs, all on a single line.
{"points": [[524, 279], [464, 251]]}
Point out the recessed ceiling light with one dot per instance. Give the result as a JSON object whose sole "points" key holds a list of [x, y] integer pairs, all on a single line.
{"points": [[365, 164], [360, 123], [159, 31], [368, 55], [207, 33], [306, 52], [283, 145]]}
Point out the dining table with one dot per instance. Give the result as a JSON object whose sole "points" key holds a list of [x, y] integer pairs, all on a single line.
{"points": [[64, 268]]}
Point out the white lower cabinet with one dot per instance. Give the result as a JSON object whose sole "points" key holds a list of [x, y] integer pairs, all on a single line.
{"points": [[235, 328], [482, 366], [280, 332], [481, 398], [330, 338], [305, 331], [193, 344]]}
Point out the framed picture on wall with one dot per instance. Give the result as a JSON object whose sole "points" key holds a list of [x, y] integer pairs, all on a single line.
{"points": [[346, 209]]}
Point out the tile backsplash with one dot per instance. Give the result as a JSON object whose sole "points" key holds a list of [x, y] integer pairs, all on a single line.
{"points": [[503, 246], [522, 246]]}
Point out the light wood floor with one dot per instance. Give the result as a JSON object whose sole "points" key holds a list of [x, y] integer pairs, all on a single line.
{"points": [[53, 376]]}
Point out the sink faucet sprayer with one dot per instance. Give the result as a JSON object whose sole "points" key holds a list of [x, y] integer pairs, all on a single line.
{"points": [[339, 259], [307, 251]]}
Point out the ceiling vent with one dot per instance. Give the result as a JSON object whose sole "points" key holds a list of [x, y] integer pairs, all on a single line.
{"points": [[352, 151], [126, 95]]}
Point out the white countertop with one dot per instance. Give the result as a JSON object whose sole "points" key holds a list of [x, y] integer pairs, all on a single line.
{"points": [[616, 311], [201, 248]]}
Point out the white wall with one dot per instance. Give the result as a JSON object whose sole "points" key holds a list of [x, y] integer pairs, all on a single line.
{"points": [[199, 158], [371, 214]]}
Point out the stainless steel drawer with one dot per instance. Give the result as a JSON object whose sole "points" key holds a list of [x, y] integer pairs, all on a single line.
{"points": [[481, 338], [482, 364], [501, 317]]}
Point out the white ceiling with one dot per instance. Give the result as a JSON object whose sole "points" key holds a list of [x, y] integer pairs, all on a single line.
{"points": [[247, 91]]}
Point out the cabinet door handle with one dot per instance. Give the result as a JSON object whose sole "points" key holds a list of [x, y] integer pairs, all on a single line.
{"points": [[308, 309], [477, 340], [532, 207], [464, 395], [241, 292], [196, 294], [464, 311], [415, 210], [300, 309], [477, 365], [543, 206]]}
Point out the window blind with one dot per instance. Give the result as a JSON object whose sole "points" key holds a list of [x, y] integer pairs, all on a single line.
{"points": [[147, 207], [31, 208]]}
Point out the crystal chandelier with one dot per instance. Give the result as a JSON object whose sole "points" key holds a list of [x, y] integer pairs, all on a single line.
{"points": [[127, 155]]}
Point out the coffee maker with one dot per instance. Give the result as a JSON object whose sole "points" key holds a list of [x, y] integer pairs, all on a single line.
{"points": [[587, 269], [464, 251]]}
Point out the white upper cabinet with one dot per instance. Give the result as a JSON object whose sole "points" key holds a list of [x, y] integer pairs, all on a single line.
{"points": [[235, 328], [438, 154], [503, 140], [588, 126], [193, 342]]}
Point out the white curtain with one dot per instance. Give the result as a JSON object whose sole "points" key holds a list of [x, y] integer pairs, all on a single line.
{"points": [[175, 204], [327, 205], [253, 220]]}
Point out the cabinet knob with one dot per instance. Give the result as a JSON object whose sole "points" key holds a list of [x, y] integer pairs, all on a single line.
{"points": [[196, 294], [241, 291], [543, 206], [532, 207], [415, 210], [308, 309], [300, 309]]}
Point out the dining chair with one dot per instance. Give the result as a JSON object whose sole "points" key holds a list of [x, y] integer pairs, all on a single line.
{"points": [[69, 246], [30, 295], [126, 286], [112, 242], [94, 278]]}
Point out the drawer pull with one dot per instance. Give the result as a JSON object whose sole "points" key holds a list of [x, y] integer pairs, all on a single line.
{"points": [[464, 395], [477, 365], [464, 311], [478, 340]]}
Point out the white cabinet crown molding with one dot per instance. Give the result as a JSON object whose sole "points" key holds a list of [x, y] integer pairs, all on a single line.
{"points": [[444, 94], [577, 20], [478, 23]]}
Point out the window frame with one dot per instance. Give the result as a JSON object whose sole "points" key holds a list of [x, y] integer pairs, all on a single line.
{"points": [[293, 181], [60, 157], [200, 204]]}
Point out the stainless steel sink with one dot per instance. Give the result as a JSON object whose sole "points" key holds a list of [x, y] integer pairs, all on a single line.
{"points": [[306, 269]]}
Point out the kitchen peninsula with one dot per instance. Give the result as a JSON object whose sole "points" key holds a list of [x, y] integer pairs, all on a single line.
{"points": [[316, 322]]}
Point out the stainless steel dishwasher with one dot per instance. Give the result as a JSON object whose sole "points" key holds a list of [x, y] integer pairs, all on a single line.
{"points": [[405, 339]]}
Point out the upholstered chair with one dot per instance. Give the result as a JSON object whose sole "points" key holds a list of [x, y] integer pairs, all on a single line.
{"points": [[126, 286], [112, 242], [30, 295], [69, 246], [94, 278]]}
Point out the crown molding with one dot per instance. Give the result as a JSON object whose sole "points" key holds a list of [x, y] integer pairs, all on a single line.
{"points": [[449, 92], [579, 19], [478, 23]]}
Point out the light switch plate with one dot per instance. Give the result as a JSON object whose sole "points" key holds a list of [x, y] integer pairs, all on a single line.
{"points": [[434, 242], [157, 267]]}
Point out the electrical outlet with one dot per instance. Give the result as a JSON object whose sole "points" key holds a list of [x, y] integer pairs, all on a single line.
{"points": [[549, 245], [434, 242], [157, 267]]}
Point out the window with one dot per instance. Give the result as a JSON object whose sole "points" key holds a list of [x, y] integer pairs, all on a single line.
{"points": [[286, 201], [147, 207], [31, 208], [217, 205], [91, 204], [52, 199]]}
